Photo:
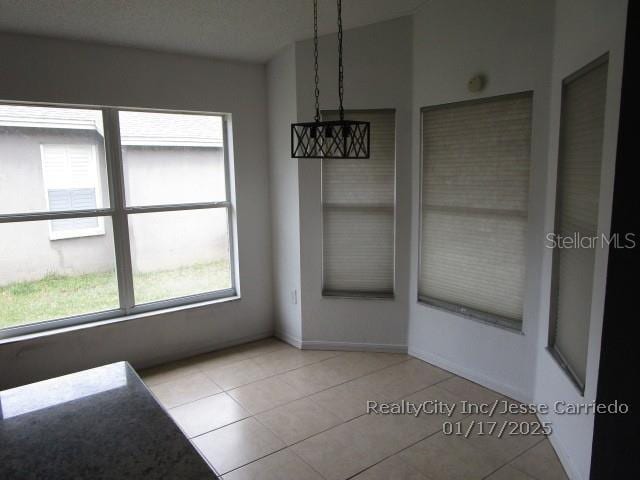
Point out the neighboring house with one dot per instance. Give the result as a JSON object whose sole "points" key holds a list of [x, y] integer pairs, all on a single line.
{"points": [[53, 159]]}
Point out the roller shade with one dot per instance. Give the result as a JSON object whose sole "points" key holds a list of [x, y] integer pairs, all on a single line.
{"points": [[358, 197], [475, 182], [579, 165]]}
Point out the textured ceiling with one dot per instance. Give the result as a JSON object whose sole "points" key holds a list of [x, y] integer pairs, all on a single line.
{"points": [[241, 29]]}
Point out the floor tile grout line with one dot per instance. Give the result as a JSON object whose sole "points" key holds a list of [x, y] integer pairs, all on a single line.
{"points": [[337, 353], [436, 433], [290, 446], [393, 454], [275, 374], [253, 415], [509, 462], [362, 415], [209, 396], [218, 428], [286, 446], [194, 400], [307, 464], [230, 423], [198, 370], [335, 426], [256, 460], [298, 368], [323, 431], [309, 395]]}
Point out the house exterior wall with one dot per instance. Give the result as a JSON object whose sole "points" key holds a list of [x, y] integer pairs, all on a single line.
{"points": [[159, 241], [162, 241], [26, 251]]}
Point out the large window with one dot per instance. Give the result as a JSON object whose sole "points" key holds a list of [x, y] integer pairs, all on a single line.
{"points": [[105, 213], [475, 183], [578, 193], [358, 199]]}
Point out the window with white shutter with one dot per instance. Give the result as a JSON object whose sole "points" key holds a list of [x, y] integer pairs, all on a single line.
{"points": [[578, 193], [358, 200], [71, 182], [475, 182], [155, 186]]}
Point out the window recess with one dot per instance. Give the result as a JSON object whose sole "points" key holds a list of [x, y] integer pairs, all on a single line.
{"points": [[474, 201], [358, 204], [577, 199]]}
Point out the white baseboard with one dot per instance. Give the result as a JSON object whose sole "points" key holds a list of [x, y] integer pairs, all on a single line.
{"points": [[200, 349], [353, 346], [472, 375], [342, 346], [565, 460], [290, 339]]}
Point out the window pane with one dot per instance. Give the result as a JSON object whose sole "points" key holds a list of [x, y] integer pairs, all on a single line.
{"points": [[46, 153], [175, 254], [45, 279], [475, 184], [171, 158]]}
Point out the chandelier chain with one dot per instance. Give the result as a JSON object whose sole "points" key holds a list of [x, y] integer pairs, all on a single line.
{"points": [[340, 68], [315, 53]]}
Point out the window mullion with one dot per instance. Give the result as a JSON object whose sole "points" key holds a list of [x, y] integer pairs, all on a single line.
{"points": [[117, 196]]}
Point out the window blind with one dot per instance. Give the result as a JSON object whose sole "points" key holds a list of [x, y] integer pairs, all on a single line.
{"points": [[358, 198], [579, 164], [475, 182]]}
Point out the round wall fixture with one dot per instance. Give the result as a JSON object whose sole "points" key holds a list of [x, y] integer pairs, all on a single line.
{"points": [[477, 83]]}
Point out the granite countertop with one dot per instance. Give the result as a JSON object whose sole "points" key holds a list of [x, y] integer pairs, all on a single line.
{"points": [[100, 423]]}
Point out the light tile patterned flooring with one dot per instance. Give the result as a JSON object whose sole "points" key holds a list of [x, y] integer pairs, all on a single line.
{"points": [[266, 410]]}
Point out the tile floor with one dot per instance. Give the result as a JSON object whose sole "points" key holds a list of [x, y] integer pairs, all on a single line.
{"points": [[266, 410]]}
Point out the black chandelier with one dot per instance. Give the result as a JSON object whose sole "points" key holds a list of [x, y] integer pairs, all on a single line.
{"points": [[329, 139]]}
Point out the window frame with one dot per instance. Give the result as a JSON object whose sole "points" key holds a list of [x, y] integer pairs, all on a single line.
{"points": [[119, 212], [363, 295], [462, 311], [552, 348]]}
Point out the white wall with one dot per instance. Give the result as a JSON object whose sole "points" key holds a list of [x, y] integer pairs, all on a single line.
{"points": [[510, 42], [38, 69], [377, 75], [584, 30], [281, 87]]}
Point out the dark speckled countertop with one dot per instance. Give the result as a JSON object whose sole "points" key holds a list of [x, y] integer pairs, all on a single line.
{"points": [[96, 424]]}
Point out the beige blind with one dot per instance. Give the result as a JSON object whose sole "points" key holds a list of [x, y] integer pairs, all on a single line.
{"points": [[579, 164], [475, 181], [358, 198]]}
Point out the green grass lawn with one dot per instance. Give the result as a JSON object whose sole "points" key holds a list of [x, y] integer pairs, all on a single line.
{"points": [[56, 296]]}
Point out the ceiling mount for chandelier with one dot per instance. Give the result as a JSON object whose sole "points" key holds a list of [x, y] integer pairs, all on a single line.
{"points": [[329, 139]]}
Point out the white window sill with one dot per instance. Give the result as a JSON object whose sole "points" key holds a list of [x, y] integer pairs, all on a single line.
{"points": [[470, 314], [64, 235], [114, 320]]}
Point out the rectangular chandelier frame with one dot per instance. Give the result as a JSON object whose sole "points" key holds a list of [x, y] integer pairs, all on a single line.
{"points": [[330, 139]]}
